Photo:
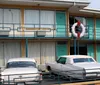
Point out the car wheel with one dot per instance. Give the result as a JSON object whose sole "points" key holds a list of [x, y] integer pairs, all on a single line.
{"points": [[49, 68], [40, 82]]}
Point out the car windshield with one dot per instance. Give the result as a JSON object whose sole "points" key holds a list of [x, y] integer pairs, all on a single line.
{"points": [[82, 60], [21, 64]]}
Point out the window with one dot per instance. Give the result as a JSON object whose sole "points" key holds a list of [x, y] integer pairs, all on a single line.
{"points": [[20, 64], [82, 60], [62, 60]]}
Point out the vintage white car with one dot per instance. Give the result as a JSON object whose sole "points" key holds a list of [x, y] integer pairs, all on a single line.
{"points": [[75, 66], [21, 71]]}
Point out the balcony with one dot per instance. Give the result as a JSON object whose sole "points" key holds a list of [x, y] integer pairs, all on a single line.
{"points": [[37, 31]]}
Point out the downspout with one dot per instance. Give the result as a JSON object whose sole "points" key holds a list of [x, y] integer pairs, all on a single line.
{"points": [[68, 25]]}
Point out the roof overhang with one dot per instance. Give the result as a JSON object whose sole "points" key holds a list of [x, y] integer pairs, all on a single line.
{"points": [[91, 11], [54, 3]]}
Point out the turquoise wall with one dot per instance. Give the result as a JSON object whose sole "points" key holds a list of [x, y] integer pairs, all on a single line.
{"points": [[98, 53], [98, 28], [61, 49], [60, 24], [90, 23], [90, 50]]}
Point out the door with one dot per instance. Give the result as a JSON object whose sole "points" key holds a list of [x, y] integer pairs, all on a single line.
{"points": [[61, 49], [97, 28], [98, 53], [57, 67], [60, 24], [90, 24], [90, 50]]}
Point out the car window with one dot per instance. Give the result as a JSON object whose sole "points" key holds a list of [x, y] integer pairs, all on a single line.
{"points": [[80, 60], [21, 64], [62, 60]]}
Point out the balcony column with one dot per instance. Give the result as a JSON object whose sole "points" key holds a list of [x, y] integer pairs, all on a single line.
{"points": [[22, 33], [22, 21], [67, 28], [67, 22], [23, 48]]}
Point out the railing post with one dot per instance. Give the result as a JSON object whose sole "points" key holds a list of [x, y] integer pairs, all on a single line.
{"points": [[58, 78], [75, 46], [26, 47], [13, 31]]}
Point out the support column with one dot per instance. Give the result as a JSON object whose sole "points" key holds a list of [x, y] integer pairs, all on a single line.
{"points": [[68, 46], [75, 46], [67, 28], [95, 48], [22, 21], [22, 33], [67, 22], [22, 48]]}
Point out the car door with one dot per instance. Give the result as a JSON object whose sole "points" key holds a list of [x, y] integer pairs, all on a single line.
{"points": [[57, 67], [63, 61]]}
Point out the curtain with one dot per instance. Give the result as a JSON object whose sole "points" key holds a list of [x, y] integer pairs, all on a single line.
{"points": [[34, 51], [47, 52], [12, 16], [47, 21], [42, 52], [31, 18], [12, 50], [39, 19]]}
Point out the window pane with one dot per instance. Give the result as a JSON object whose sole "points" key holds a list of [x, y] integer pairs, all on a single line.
{"points": [[81, 60]]}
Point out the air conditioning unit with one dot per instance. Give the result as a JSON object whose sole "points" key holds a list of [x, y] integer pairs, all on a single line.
{"points": [[4, 34], [40, 33]]}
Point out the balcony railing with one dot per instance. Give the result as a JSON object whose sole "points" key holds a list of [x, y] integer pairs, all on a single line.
{"points": [[9, 30]]}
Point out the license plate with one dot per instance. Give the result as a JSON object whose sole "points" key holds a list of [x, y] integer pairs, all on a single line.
{"points": [[20, 84]]}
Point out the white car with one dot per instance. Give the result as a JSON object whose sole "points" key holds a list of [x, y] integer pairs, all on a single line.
{"points": [[75, 66], [21, 70]]}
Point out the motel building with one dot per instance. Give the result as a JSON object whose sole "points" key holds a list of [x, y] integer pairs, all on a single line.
{"points": [[42, 29]]}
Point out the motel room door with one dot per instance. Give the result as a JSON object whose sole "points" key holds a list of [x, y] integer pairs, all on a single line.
{"points": [[61, 24], [61, 49]]}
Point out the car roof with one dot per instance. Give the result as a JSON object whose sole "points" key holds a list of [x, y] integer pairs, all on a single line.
{"points": [[21, 59], [76, 56]]}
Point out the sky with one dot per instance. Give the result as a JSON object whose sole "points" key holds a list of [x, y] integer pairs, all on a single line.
{"points": [[94, 4]]}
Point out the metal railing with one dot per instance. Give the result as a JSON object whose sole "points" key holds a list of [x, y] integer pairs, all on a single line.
{"points": [[15, 30]]}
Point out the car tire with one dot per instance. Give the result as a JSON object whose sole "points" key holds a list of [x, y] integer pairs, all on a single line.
{"points": [[40, 82]]}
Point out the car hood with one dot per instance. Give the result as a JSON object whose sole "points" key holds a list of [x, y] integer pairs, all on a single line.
{"points": [[88, 65], [19, 71]]}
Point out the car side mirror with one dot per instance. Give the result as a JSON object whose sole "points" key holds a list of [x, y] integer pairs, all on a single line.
{"points": [[57, 61]]}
